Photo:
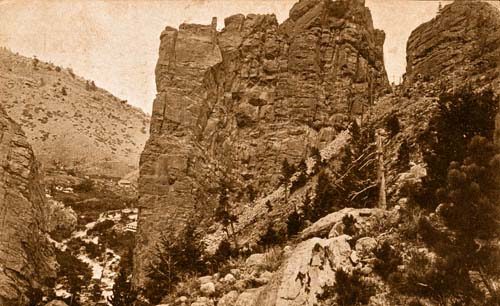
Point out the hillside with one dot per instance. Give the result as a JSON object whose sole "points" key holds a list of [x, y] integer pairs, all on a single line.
{"points": [[71, 123]]}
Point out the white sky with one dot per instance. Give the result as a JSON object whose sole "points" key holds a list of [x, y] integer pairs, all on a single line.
{"points": [[115, 42]]}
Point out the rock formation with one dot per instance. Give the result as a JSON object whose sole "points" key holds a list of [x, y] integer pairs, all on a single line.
{"points": [[25, 256], [459, 46], [236, 103]]}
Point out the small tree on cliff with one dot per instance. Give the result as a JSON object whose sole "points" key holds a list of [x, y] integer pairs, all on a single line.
{"points": [[176, 256], [223, 213], [123, 294], [287, 171]]}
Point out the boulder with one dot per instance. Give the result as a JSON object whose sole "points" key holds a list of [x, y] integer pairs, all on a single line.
{"points": [[56, 303], [207, 289], [365, 246], [323, 226], [205, 279], [249, 297], [229, 279], [228, 299], [310, 267], [203, 301], [255, 260]]}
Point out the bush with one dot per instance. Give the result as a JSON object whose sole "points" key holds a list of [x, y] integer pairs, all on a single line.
{"points": [[349, 289], [349, 225], [223, 253], [294, 224], [123, 292], [392, 125], [76, 272], [87, 185], [301, 179], [387, 260], [172, 264], [269, 238]]}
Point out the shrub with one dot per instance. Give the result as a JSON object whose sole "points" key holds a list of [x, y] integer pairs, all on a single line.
{"points": [[349, 225], [172, 264], [294, 224], [301, 179], [387, 260], [76, 272], [392, 125], [87, 185], [101, 227], [272, 259], [270, 237], [349, 289], [404, 155], [123, 292], [223, 253]]}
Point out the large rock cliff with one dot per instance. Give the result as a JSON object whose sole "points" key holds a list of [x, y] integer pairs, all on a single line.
{"points": [[236, 103], [461, 45], [26, 259]]}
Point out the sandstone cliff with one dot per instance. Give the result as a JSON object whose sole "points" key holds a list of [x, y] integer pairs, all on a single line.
{"points": [[70, 122], [236, 103], [26, 259]]}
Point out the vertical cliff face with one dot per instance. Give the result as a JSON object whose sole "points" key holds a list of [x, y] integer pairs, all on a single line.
{"points": [[25, 256], [236, 103], [460, 46]]}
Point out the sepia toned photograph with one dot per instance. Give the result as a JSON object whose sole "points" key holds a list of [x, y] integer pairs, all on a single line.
{"points": [[249, 153]]}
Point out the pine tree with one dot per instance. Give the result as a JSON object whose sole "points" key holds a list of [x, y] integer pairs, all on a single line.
{"points": [[462, 115], [223, 213], [471, 212], [287, 171], [270, 237], [172, 262], [123, 293]]}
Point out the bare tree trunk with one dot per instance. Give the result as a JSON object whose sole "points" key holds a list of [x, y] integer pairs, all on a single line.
{"points": [[382, 201], [236, 246]]}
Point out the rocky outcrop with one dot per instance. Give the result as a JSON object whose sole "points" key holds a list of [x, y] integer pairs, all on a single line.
{"points": [[459, 46], [25, 256], [236, 103]]}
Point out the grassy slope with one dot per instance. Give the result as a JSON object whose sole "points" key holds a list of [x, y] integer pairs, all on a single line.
{"points": [[69, 123]]}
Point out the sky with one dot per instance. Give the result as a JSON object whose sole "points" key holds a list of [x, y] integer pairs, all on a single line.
{"points": [[115, 42]]}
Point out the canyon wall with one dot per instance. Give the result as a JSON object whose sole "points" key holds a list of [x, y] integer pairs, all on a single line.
{"points": [[234, 104], [460, 46], [26, 258]]}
